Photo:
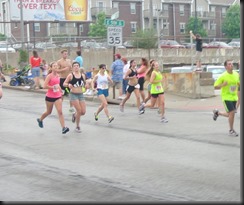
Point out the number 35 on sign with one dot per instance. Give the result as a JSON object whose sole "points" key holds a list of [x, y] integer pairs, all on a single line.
{"points": [[114, 36]]}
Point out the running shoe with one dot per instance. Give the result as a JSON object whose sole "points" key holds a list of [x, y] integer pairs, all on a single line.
{"points": [[40, 123], [141, 112], [142, 106], [121, 108], [164, 120], [77, 129], [233, 133], [96, 116], [110, 119], [65, 130], [215, 114], [71, 109], [73, 117]]}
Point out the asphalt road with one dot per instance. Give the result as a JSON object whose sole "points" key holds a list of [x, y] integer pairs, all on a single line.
{"points": [[134, 159]]}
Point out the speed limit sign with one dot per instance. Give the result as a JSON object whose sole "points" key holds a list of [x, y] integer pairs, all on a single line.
{"points": [[114, 36]]}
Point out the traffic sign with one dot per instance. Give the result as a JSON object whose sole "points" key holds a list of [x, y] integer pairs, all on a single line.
{"points": [[114, 36], [110, 22]]}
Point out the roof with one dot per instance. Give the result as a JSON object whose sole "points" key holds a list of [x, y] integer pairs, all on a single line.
{"points": [[178, 1], [222, 2]]}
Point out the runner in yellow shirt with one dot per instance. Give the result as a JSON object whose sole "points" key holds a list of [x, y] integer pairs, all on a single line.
{"points": [[228, 82]]}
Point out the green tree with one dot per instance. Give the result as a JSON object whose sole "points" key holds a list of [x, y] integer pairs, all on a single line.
{"points": [[145, 39], [98, 29], [195, 25], [231, 23], [2, 37], [23, 58]]}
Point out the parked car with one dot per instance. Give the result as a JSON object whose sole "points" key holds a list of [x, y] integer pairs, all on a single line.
{"points": [[216, 70], [18, 46], [234, 44], [170, 44], [45, 45], [189, 45], [6, 48], [183, 69], [218, 44], [128, 44], [69, 45]]}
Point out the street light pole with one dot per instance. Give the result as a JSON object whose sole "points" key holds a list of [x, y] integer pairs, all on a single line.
{"points": [[21, 25], [158, 28], [195, 21]]}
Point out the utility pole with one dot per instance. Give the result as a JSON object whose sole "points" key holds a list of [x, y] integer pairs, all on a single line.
{"points": [[158, 27], [150, 14], [195, 22], [22, 25]]}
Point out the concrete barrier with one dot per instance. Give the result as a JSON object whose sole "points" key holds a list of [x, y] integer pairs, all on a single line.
{"points": [[192, 85]]}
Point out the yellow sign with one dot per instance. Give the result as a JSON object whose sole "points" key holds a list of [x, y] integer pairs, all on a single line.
{"points": [[75, 10]]}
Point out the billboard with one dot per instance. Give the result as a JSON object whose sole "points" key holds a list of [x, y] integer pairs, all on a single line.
{"points": [[49, 10]]}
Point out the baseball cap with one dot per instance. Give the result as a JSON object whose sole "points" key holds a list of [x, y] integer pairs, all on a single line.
{"points": [[118, 55], [124, 59]]}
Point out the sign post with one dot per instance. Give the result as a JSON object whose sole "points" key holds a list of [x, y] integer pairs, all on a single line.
{"points": [[114, 36]]}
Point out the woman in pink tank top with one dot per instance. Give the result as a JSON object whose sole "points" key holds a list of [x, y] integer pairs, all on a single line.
{"points": [[53, 97]]}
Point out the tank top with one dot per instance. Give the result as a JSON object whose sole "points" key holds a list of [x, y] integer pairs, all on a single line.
{"points": [[140, 75], [102, 81], [157, 87], [52, 92], [77, 82], [132, 73]]}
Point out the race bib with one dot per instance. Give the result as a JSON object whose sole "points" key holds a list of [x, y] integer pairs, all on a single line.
{"points": [[159, 88], [232, 88]]}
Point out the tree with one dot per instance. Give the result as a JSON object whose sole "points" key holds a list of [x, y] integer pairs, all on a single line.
{"points": [[98, 29], [195, 25], [2, 37], [231, 23], [145, 39]]}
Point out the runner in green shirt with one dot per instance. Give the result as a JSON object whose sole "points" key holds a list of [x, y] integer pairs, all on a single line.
{"points": [[228, 82]]}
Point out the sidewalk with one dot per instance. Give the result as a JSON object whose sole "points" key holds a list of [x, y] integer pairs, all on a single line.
{"points": [[171, 101]]}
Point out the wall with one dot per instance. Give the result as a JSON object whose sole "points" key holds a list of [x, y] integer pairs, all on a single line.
{"points": [[165, 57]]}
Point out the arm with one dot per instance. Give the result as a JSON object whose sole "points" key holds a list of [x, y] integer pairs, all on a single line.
{"points": [[110, 80], [220, 85], [66, 82], [127, 75], [192, 35], [142, 69], [93, 82], [45, 85]]}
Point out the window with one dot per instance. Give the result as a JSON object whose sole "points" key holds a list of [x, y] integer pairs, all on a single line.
{"points": [[81, 28], [212, 25], [133, 27], [182, 10], [100, 6], [132, 8], [223, 11], [165, 7], [182, 28], [212, 8], [37, 27], [116, 5], [165, 24]]}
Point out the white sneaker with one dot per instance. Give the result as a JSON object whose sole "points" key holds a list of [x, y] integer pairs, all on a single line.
{"points": [[72, 110], [233, 133], [77, 129], [90, 92], [164, 120]]}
